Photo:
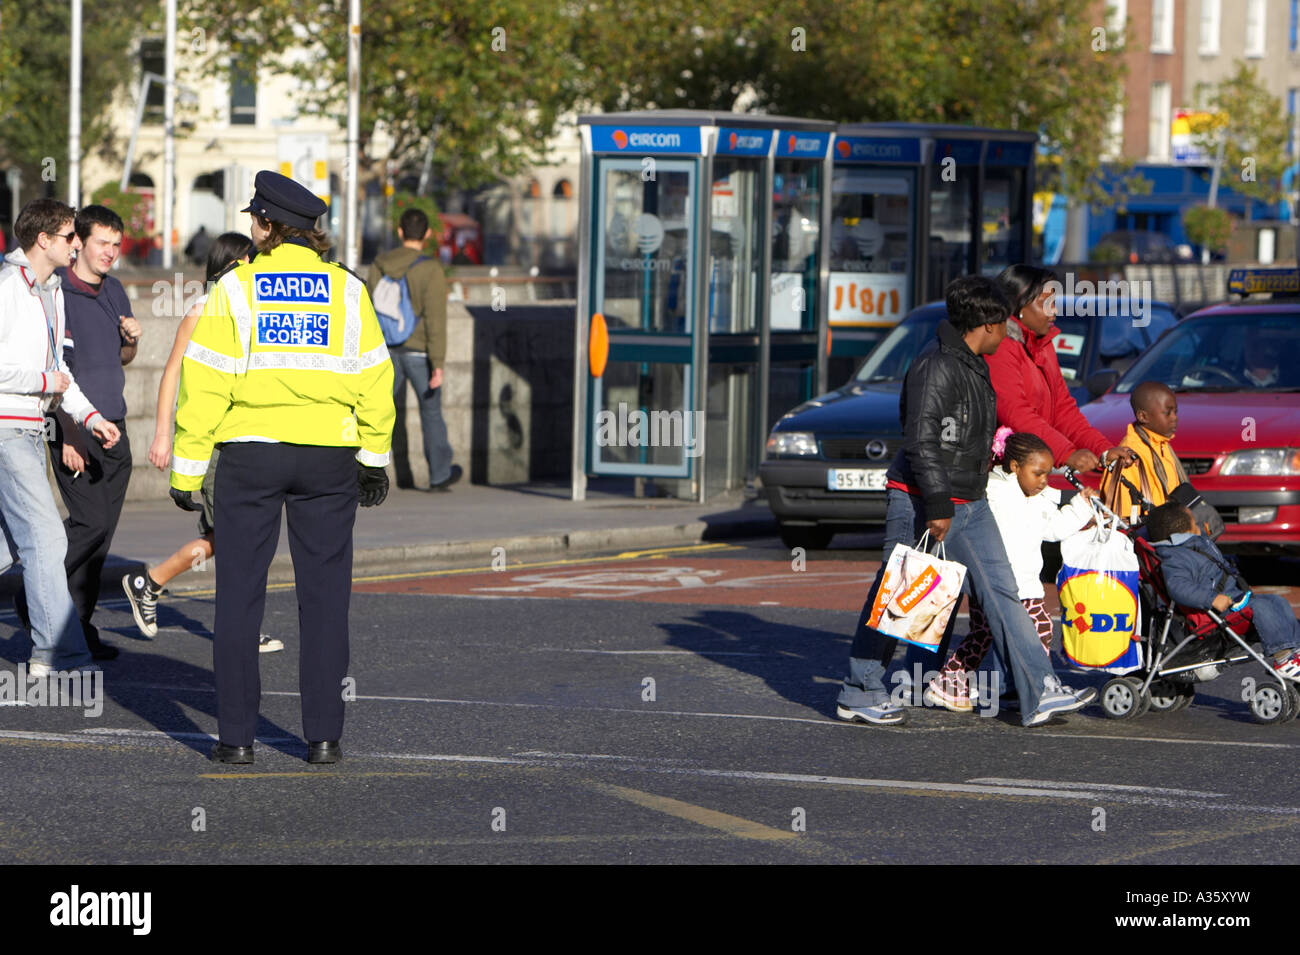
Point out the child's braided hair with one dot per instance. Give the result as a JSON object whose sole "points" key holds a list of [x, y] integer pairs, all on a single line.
{"points": [[1019, 447]]}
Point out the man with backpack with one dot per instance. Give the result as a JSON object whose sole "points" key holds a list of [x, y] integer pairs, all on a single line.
{"points": [[409, 290]]}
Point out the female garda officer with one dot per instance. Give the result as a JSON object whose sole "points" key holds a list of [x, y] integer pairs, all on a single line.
{"points": [[288, 373]]}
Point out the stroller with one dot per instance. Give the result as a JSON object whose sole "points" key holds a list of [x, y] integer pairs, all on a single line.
{"points": [[1183, 647]]}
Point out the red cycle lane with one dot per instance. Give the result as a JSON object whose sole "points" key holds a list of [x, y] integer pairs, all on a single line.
{"points": [[679, 578], [833, 585]]}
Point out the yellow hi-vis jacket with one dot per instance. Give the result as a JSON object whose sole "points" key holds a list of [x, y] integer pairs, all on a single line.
{"points": [[287, 349]]}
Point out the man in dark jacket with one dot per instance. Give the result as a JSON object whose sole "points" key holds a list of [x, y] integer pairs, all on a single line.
{"points": [[101, 338], [937, 483], [420, 357], [1199, 577]]}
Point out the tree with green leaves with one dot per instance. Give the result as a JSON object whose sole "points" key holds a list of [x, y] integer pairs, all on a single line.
{"points": [[1253, 126], [34, 81], [484, 82], [1051, 66]]}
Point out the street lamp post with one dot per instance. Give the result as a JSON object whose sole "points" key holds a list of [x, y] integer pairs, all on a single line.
{"points": [[169, 136], [351, 230], [74, 109]]}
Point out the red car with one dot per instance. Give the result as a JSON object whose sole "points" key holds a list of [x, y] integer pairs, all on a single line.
{"points": [[1236, 371]]}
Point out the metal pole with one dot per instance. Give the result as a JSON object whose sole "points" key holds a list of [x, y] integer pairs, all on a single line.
{"points": [[135, 130], [351, 192], [74, 110], [426, 171], [1214, 186], [169, 136]]}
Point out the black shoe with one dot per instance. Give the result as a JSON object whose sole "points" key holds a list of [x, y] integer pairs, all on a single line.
{"points": [[452, 478], [328, 752], [103, 651], [221, 753]]}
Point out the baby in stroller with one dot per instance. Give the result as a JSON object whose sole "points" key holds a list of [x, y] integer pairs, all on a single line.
{"points": [[1198, 577]]}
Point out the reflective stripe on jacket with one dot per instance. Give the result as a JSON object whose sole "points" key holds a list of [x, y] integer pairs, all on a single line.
{"points": [[287, 349]]}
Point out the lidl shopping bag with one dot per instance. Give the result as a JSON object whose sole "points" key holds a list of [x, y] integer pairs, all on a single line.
{"points": [[1098, 585], [917, 594]]}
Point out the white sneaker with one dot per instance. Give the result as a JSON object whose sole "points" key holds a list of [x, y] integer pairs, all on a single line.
{"points": [[40, 670], [880, 714], [269, 644]]}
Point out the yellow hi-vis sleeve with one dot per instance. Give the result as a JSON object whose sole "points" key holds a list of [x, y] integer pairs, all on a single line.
{"points": [[212, 360], [374, 408]]}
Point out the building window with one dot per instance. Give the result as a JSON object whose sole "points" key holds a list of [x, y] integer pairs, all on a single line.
{"points": [[1115, 134], [1117, 17], [1209, 28], [1162, 26], [243, 92], [1255, 19], [1158, 132], [153, 60], [1295, 23]]}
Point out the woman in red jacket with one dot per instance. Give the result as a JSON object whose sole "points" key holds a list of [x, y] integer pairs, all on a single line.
{"points": [[1032, 396]]}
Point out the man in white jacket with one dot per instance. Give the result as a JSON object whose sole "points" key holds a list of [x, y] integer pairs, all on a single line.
{"points": [[34, 381]]}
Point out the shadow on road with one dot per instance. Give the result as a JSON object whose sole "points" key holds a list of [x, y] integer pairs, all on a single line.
{"points": [[802, 664]]}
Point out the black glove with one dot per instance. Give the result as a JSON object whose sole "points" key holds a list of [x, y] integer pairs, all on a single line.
{"points": [[372, 483], [185, 500]]}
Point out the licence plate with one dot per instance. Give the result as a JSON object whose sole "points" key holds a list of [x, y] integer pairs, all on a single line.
{"points": [[855, 479]]}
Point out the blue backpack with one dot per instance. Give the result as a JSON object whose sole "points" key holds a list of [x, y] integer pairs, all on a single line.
{"points": [[392, 301]]}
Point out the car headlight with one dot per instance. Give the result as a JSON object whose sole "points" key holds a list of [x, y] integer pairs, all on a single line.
{"points": [[791, 443], [1263, 461]]}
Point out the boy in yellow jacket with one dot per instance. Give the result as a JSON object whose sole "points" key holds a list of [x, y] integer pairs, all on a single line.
{"points": [[1157, 470]]}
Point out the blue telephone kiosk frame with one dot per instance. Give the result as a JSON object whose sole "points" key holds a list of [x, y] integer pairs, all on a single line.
{"points": [[677, 274]]}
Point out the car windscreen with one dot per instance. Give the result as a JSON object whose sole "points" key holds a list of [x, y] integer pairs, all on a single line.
{"points": [[890, 359], [1125, 331], [1225, 352]]}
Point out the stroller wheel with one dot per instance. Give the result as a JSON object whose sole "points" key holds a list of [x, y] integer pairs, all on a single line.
{"points": [[1170, 697], [1122, 698], [1272, 705]]}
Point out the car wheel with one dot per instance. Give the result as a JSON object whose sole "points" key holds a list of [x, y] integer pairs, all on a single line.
{"points": [[809, 538]]}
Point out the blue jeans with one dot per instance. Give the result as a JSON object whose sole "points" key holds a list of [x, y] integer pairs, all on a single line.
{"points": [[437, 449], [34, 536], [1275, 623], [972, 539]]}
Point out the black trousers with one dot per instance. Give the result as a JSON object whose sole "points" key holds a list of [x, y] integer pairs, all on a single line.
{"points": [[317, 488], [94, 502]]}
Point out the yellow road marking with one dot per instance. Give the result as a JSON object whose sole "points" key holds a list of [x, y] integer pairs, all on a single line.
{"points": [[711, 818], [563, 562], [1198, 839]]}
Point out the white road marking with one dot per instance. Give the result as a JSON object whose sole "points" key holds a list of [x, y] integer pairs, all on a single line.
{"points": [[820, 721], [666, 653], [1055, 784], [1040, 789], [1135, 795]]}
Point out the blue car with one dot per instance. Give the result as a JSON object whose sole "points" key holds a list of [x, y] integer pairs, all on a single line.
{"points": [[825, 464]]}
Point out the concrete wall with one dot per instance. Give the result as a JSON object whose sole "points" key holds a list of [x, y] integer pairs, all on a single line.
{"points": [[507, 393]]}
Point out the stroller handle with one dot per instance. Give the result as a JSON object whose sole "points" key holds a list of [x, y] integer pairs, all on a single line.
{"points": [[1072, 476]]}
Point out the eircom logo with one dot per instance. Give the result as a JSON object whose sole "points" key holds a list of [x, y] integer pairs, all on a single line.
{"points": [[1098, 618]]}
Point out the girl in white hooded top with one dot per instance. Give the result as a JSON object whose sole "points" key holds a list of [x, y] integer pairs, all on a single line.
{"points": [[1027, 512]]}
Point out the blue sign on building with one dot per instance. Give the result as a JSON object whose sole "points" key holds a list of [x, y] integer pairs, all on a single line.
{"points": [[877, 149], [642, 140], [802, 145], [744, 142], [966, 152]]}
